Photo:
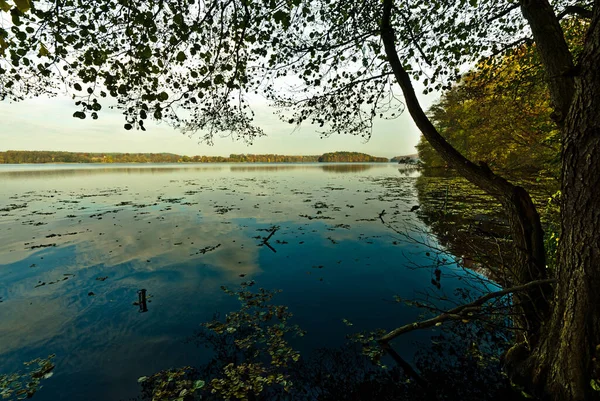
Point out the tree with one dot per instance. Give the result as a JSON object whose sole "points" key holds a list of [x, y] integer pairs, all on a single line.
{"points": [[499, 114], [192, 63]]}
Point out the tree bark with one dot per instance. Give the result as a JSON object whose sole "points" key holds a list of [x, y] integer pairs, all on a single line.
{"points": [[554, 52], [526, 229], [567, 358]]}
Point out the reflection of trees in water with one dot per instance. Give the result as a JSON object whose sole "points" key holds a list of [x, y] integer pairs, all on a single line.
{"points": [[74, 172], [330, 168], [468, 222], [347, 168], [64, 172], [245, 168]]}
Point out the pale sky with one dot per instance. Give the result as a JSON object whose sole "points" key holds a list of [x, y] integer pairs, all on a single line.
{"points": [[47, 124]]}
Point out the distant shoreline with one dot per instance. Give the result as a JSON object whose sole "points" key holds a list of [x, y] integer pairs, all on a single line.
{"points": [[57, 157]]}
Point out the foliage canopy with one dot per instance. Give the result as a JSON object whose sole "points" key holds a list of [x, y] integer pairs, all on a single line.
{"points": [[196, 63]]}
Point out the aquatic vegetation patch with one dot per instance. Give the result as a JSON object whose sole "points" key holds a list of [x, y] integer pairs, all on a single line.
{"points": [[24, 384]]}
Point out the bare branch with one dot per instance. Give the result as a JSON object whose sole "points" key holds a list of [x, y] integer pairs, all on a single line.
{"points": [[460, 312]]}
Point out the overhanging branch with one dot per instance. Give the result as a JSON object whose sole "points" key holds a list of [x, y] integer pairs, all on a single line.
{"points": [[462, 311], [575, 10]]}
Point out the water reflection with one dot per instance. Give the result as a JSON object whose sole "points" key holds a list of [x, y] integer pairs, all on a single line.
{"points": [[69, 170], [142, 300], [471, 224], [182, 236]]}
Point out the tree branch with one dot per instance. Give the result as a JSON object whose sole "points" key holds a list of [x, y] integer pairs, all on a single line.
{"points": [[503, 13], [491, 183], [554, 53], [461, 312], [575, 10], [408, 369]]}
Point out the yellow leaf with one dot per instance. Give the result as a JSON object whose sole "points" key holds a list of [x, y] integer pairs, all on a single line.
{"points": [[43, 50], [3, 45], [23, 5], [4, 6]]}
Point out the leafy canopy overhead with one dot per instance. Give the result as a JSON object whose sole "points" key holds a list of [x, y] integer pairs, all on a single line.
{"points": [[194, 63]]}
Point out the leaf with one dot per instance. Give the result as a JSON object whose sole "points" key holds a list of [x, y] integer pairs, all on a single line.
{"points": [[282, 18], [4, 6], [142, 379], [77, 86], [526, 395], [23, 5], [219, 79], [163, 96], [595, 385], [128, 126], [43, 51], [3, 45], [198, 384], [181, 56]]}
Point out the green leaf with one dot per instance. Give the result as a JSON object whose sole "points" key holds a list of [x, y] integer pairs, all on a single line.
{"points": [[146, 52], [4, 6], [595, 385], [77, 86], [181, 56], [163, 96], [128, 127], [43, 51], [23, 5], [219, 79], [3, 45], [198, 384], [282, 18]]}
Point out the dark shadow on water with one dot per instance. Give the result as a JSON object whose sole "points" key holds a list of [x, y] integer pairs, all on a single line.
{"points": [[453, 366], [253, 359]]}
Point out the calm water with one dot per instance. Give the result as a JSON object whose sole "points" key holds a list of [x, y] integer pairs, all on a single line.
{"points": [[78, 242]]}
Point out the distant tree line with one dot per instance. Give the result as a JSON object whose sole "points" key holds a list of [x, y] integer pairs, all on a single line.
{"points": [[34, 157], [351, 157]]}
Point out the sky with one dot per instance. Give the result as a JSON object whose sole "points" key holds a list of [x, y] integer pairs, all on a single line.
{"points": [[47, 124]]}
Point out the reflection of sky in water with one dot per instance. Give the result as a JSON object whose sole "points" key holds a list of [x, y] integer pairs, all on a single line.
{"points": [[155, 227]]}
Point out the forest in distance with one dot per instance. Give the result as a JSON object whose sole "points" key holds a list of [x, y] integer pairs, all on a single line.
{"points": [[40, 157]]}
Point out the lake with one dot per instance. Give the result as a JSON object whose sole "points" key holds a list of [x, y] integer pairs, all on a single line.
{"points": [[77, 243]]}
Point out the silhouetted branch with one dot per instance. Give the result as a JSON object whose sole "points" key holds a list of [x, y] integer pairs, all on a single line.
{"points": [[575, 10], [460, 312]]}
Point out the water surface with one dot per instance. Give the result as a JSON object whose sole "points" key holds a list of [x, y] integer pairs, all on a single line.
{"points": [[78, 241]]}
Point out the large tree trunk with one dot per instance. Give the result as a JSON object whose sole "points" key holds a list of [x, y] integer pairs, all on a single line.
{"points": [[567, 358], [560, 355], [526, 229]]}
